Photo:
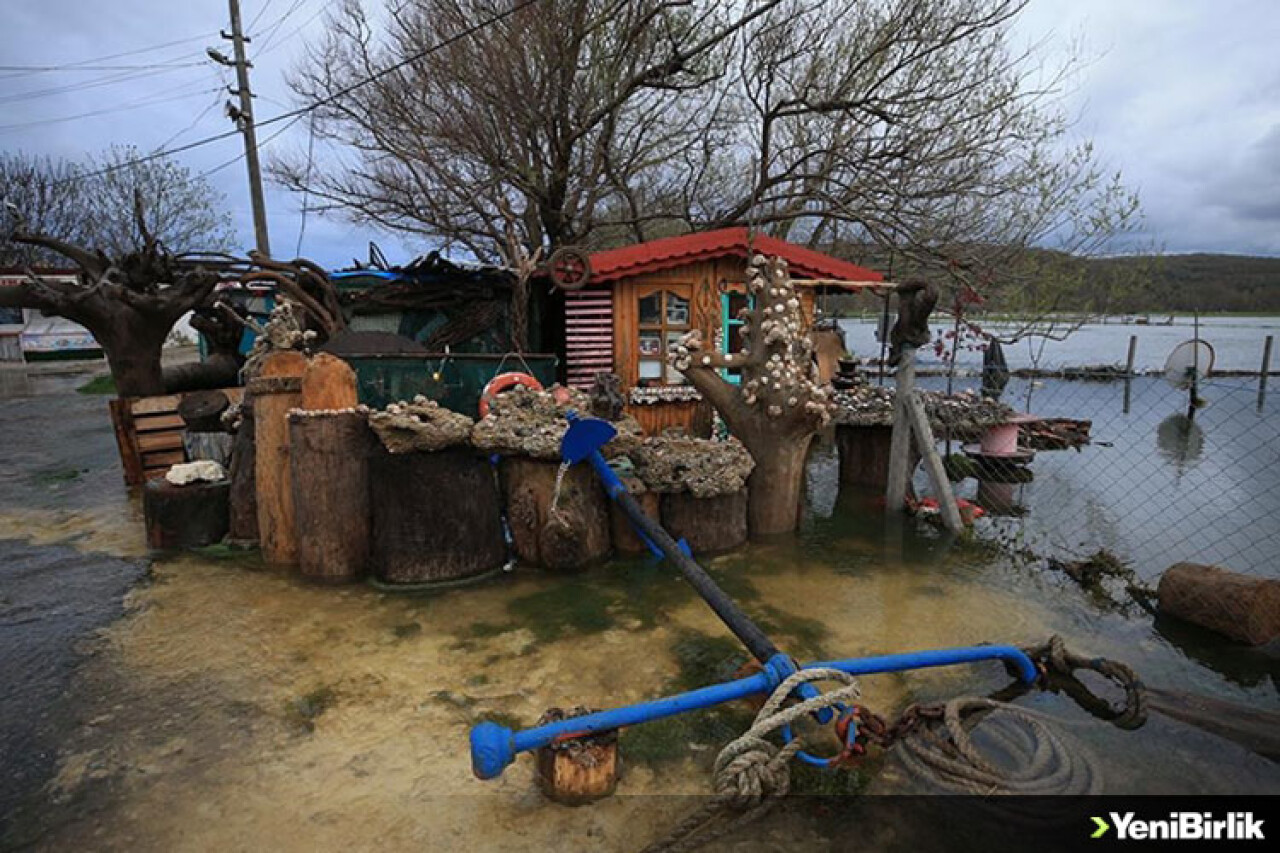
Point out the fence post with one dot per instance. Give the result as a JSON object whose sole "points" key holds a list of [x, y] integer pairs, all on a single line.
{"points": [[1266, 368], [1128, 371]]}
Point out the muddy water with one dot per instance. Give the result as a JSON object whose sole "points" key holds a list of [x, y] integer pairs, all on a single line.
{"points": [[233, 707]]}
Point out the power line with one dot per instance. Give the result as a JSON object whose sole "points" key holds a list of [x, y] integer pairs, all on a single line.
{"points": [[186, 92], [272, 44], [261, 12], [294, 114], [215, 103], [70, 88], [270, 33], [49, 68], [137, 52], [261, 145]]}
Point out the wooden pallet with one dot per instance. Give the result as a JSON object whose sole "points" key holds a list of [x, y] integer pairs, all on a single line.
{"points": [[150, 433]]}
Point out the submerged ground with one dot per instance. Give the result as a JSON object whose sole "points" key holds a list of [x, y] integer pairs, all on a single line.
{"points": [[202, 701]]}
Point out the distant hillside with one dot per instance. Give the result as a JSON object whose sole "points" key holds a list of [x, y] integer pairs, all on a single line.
{"points": [[1185, 283]]}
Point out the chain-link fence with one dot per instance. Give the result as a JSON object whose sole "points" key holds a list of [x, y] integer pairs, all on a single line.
{"points": [[1161, 478]]}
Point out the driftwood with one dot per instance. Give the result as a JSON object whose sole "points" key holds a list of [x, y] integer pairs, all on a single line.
{"points": [[1243, 608], [574, 533], [329, 459], [436, 516]]}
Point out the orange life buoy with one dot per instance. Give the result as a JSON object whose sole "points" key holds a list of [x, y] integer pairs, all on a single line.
{"points": [[505, 382]]}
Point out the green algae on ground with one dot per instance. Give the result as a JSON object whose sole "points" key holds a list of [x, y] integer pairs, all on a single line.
{"points": [[104, 384]]}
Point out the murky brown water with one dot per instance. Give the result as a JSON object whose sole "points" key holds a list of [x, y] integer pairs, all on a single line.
{"points": [[236, 708]]}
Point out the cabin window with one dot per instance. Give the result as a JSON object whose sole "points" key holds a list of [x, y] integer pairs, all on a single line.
{"points": [[662, 320], [731, 304]]}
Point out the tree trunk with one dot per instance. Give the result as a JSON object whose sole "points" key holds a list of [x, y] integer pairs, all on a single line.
{"points": [[436, 516], [329, 459], [133, 347], [709, 525], [244, 484], [572, 536], [773, 504]]}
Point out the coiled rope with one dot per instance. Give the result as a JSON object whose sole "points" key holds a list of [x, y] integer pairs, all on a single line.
{"points": [[751, 773], [935, 744]]}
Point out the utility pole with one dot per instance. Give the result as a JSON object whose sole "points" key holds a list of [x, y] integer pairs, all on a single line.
{"points": [[244, 118]]}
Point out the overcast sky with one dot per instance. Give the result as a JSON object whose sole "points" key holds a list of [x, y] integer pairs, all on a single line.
{"points": [[1182, 96]]}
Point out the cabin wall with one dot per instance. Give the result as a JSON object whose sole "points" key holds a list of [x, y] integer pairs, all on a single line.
{"points": [[602, 332]]}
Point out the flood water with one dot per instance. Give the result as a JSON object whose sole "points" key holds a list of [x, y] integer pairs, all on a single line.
{"points": [[234, 707], [1237, 342]]}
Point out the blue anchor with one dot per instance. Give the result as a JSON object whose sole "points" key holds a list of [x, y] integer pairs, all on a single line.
{"points": [[494, 747]]}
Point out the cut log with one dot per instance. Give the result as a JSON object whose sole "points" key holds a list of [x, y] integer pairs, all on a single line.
{"points": [[328, 383], [864, 456], [244, 489], [1238, 606], [436, 516], [201, 411], [577, 771], [625, 538], [1256, 729], [189, 516], [709, 525], [576, 534], [275, 392], [329, 455]]}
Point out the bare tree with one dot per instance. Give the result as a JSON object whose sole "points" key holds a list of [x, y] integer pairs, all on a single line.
{"points": [[565, 110], [911, 124], [91, 203]]}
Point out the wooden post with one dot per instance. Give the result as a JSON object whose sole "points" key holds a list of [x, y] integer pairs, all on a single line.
{"points": [[328, 383], [933, 463], [244, 482], [329, 456], [276, 390], [577, 771], [1128, 371], [900, 445], [1262, 376]]}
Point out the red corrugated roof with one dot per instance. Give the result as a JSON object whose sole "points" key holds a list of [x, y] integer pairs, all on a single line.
{"points": [[657, 255]]}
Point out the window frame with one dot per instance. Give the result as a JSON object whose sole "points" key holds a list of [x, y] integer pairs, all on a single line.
{"points": [[667, 375]]}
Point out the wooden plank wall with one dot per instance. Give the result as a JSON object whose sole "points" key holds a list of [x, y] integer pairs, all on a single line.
{"points": [[589, 336], [149, 434]]}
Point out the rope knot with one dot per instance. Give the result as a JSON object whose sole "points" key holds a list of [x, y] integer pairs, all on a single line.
{"points": [[751, 772]]}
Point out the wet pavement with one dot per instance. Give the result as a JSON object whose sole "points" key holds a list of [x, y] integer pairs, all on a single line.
{"points": [[235, 707]]}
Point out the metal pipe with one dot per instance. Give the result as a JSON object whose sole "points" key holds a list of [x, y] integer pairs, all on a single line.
{"points": [[494, 747]]}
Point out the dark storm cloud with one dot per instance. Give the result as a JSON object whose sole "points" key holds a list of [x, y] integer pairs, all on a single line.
{"points": [[1183, 98]]}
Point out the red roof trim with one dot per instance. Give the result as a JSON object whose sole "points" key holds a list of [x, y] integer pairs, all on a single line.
{"points": [[657, 255]]}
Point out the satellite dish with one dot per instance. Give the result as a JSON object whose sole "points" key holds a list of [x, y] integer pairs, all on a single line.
{"points": [[1188, 364]]}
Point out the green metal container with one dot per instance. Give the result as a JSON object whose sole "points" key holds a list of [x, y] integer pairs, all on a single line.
{"points": [[454, 381]]}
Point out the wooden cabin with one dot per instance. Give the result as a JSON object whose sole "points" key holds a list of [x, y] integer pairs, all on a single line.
{"points": [[644, 297]]}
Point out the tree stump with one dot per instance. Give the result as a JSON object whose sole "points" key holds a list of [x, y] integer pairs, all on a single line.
{"points": [[576, 534], [329, 455], [625, 538], [580, 770], [864, 456], [436, 516], [708, 524], [189, 516], [244, 487], [276, 390], [1243, 608], [328, 383]]}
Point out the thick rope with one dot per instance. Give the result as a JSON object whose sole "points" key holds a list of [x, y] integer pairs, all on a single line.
{"points": [[751, 773], [1038, 760]]}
